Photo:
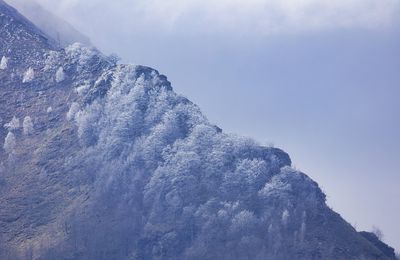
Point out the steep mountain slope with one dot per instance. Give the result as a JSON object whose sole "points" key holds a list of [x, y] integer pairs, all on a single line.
{"points": [[58, 29], [105, 161]]}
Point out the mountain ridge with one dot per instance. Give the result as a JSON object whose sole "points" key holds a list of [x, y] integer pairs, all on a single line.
{"points": [[62, 32], [103, 160]]}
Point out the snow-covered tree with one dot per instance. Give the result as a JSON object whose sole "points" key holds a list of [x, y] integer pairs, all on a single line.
{"points": [[13, 124], [3, 63], [28, 125], [29, 75], [285, 216], [60, 75], [74, 108], [9, 143]]}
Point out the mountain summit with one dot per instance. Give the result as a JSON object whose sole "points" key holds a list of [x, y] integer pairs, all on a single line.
{"points": [[105, 161]]}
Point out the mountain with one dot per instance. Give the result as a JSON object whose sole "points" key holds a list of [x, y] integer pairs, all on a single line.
{"points": [[56, 28], [101, 160]]}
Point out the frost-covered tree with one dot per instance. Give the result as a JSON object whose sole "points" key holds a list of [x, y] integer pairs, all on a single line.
{"points": [[3, 63], [74, 108], [60, 75], [114, 58], [29, 75], [27, 125], [13, 124], [151, 178], [285, 216], [9, 143]]}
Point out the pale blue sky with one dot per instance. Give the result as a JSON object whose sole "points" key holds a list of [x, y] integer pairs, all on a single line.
{"points": [[321, 79]]}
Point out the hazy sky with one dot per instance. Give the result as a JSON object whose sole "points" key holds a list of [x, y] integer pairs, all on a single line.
{"points": [[319, 78]]}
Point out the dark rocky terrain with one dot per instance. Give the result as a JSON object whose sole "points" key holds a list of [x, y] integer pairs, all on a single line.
{"points": [[104, 161]]}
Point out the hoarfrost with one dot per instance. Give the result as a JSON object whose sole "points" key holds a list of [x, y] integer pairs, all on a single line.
{"points": [[13, 124], [285, 216], [72, 111], [28, 125], [60, 75], [28, 76], [10, 143], [3, 63]]}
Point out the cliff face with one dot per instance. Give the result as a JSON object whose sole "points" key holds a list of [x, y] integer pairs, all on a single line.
{"points": [[104, 161]]}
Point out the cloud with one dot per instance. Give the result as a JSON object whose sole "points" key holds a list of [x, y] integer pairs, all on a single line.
{"points": [[232, 16]]}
